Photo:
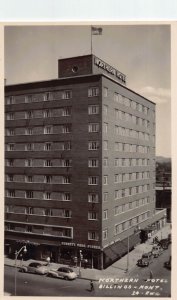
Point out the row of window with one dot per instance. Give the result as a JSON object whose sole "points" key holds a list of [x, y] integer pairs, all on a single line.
{"points": [[48, 96], [67, 94], [48, 113], [131, 205], [54, 212], [49, 129], [132, 162], [118, 98], [126, 147], [132, 133], [65, 232], [49, 146], [121, 193], [125, 177], [124, 116], [60, 196], [92, 162], [58, 231], [93, 197], [65, 179], [92, 145], [131, 222]]}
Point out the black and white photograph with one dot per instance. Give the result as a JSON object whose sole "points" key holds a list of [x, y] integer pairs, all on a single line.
{"points": [[87, 209]]}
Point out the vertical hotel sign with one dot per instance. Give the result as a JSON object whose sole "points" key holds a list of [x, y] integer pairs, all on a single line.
{"points": [[101, 64]]}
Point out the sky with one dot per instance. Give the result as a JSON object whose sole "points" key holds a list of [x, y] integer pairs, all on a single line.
{"points": [[141, 52]]}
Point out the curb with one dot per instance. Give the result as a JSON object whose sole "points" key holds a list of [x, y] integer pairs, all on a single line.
{"points": [[85, 278]]}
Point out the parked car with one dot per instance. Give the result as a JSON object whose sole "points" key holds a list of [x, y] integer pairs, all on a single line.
{"points": [[36, 268], [63, 272], [146, 259], [164, 243], [157, 250]]}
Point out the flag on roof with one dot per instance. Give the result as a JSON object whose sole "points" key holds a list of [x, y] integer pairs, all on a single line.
{"points": [[97, 30]]}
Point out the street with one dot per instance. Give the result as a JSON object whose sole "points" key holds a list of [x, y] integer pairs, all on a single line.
{"points": [[37, 285]]}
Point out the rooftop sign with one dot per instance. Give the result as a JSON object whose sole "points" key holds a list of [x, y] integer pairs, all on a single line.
{"points": [[101, 64]]}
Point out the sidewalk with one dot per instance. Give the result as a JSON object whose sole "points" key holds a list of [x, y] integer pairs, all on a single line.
{"points": [[117, 269]]}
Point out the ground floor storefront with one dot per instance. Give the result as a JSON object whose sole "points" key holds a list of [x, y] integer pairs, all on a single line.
{"points": [[88, 256]]}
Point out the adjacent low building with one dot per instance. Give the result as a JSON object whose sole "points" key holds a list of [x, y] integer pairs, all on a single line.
{"points": [[80, 165]]}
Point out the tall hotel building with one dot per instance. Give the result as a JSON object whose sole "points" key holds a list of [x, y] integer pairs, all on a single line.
{"points": [[80, 165]]}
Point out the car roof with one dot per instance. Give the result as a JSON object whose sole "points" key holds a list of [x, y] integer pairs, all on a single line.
{"points": [[65, 269]]}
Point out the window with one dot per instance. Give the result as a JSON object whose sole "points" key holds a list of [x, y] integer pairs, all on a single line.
{"points": [[29, 131], [28, 163], [67, 94], [105, 127], [105, 197], [93, 162], [66, 111], [47, 195], [11, 193], [11, 147], [93, 127], [28, 99], [29, 178], [116, 178], [10, 178], [93, 235], [29, 115], [29, 194], [10, 162], [105, 92], [29, 147], [10, 132], [48, 163], [10, 116], [93, 145], [105, 214], [47, 146], [105, 179], [48, 129], [66, 128], [105, 110], [93, 109], [93, 91], [93, 197], [105, 234], [93, 180], [105, 162], [10, 100], [92, 215], [116, 97], [47, 179], [65, 180], [47, 113], [105, 145]]}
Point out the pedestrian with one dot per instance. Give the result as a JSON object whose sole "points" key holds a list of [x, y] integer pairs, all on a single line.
{"points": [[91, 286]]}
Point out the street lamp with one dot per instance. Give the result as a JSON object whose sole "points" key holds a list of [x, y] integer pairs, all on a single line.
{"points": [[81, 257], [16, 256]]}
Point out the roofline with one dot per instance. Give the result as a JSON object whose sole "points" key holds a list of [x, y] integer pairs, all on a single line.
{"points": [[27, 84]]}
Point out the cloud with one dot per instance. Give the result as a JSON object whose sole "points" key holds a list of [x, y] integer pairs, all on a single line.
{"points": [[158, 95]]}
